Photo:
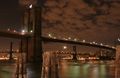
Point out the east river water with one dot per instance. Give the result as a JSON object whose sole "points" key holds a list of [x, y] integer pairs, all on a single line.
{"points": [[67, 69]]}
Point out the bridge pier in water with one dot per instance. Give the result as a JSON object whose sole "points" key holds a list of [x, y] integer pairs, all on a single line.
{"points": [[11, 51], [75, 53]]}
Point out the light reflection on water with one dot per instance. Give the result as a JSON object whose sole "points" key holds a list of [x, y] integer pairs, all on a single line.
{"points": [[72, 70], [7, 71], [89, 70]]}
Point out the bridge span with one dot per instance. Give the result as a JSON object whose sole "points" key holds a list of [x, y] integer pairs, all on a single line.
{"points": [[19, 35], [16, 35]]}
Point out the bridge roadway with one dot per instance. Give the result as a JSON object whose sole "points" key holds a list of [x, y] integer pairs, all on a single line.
{"points": [[46, 39], [10, 34]]}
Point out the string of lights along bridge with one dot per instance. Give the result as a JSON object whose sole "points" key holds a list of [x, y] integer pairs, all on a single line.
{"points": [[50, 36]]}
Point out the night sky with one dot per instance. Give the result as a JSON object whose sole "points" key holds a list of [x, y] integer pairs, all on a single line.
{"points": [[10, 14], [10, 17], [92, 20]]}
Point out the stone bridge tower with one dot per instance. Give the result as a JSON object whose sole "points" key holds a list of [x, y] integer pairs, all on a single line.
{"points": [[33, 45], [32, 25]]}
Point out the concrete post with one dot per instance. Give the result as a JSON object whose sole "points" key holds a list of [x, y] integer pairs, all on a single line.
{"points": [[11, 51]]}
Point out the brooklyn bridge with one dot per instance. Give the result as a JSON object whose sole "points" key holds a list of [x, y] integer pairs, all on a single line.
{"points": [[31, 61]]}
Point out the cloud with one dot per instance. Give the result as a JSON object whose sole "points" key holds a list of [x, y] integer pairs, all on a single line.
{"points": [[76, 18]]}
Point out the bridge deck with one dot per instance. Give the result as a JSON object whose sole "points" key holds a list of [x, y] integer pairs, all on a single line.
{"points": [[46, 39]]}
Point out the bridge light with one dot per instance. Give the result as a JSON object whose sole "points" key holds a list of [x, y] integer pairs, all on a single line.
{"points": [[30, 6], [83, 41], [94, 42], [101, 44], [14, 31], [75, 39], [113, 47], [64, 47], [119, 39], [23, 32], [91, 43], [65, 38], [49, 35], [107, 45], [31, 31], [69, 38], [8, 29], [54, 37]]}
